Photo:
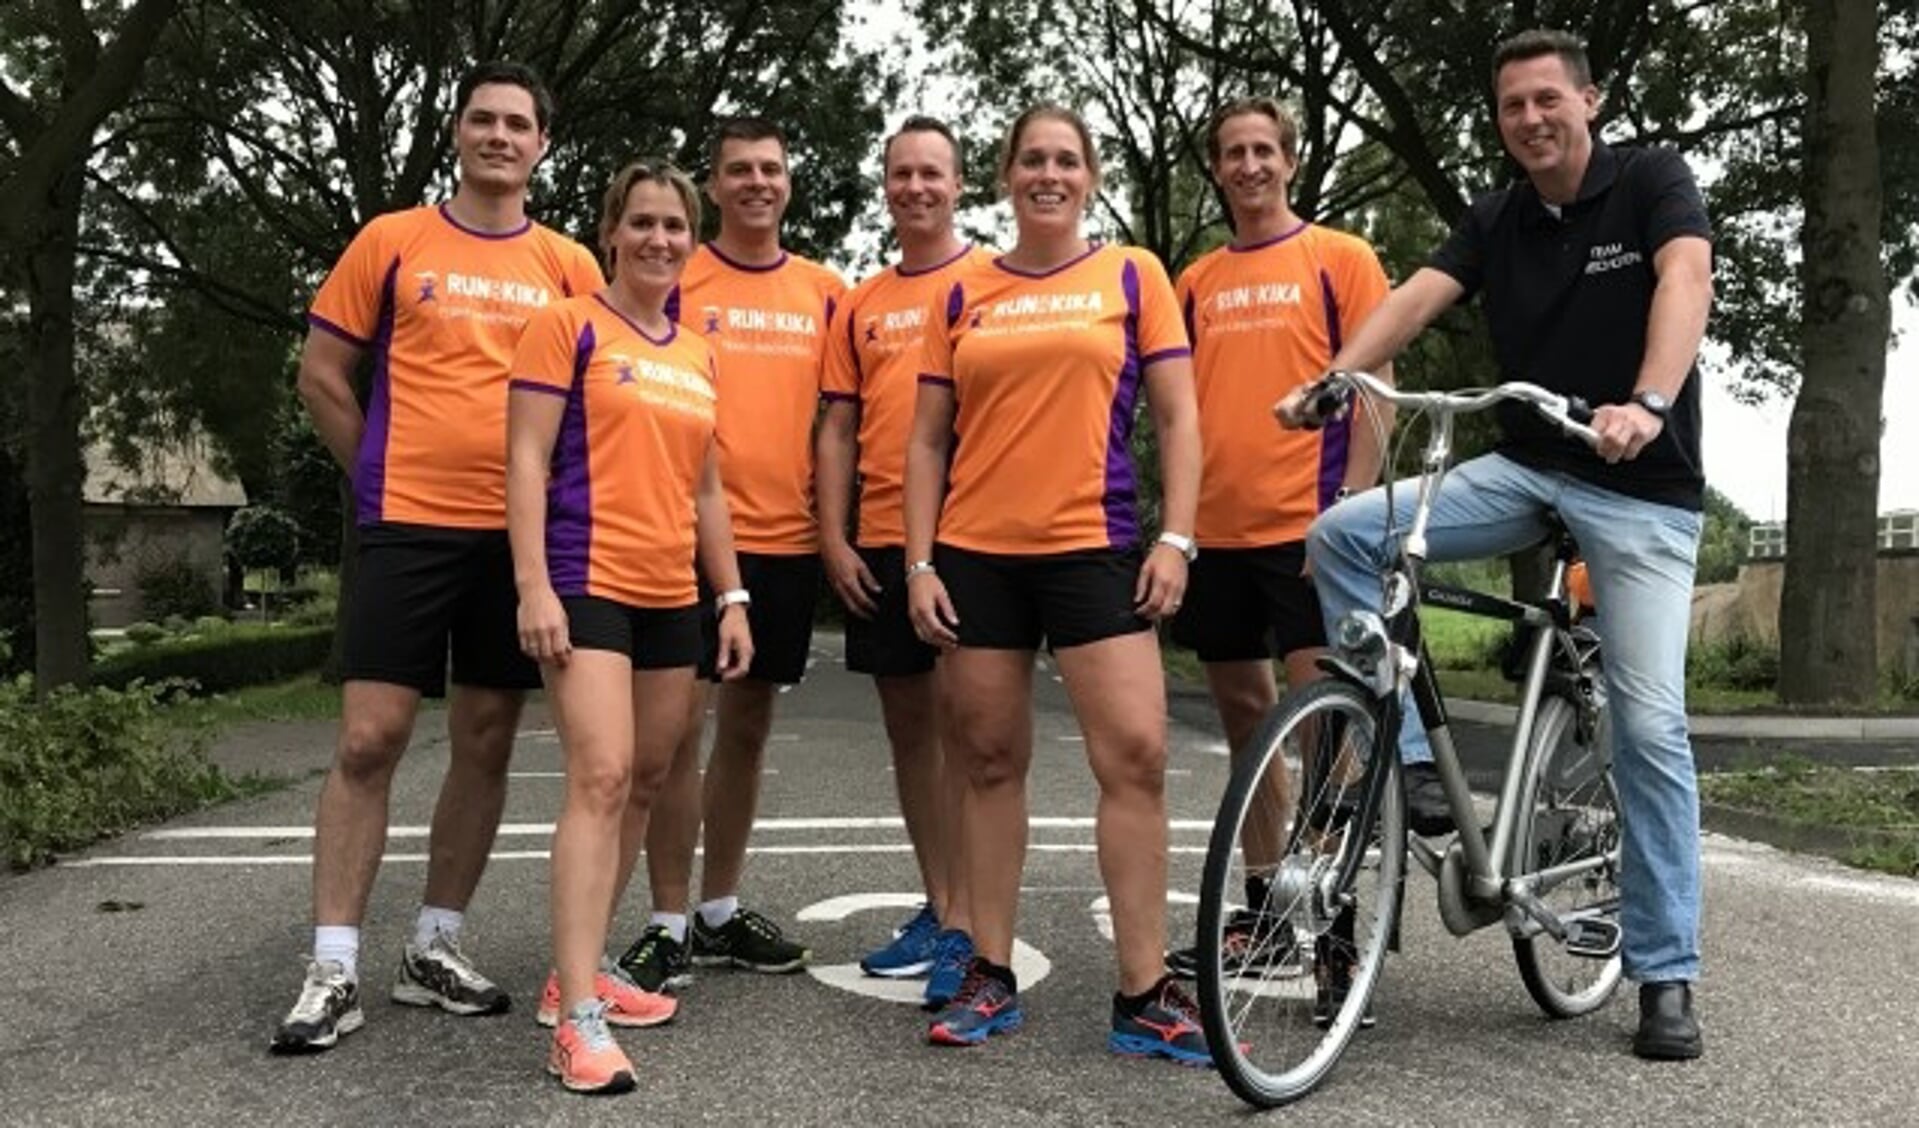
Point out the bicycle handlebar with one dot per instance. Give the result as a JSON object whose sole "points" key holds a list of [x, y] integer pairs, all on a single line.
{"points": [[1334, 392]]}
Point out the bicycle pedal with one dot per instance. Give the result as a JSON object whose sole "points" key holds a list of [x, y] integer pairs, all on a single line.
{"points": [[1592, 938]]}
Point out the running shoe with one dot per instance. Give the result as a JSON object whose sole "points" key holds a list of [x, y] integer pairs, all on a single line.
{"points": [[952, 955], [627, 1003], [441, 975], [985, 1006], [911, 952], [657, 962], [328, 1007], [1248, 940], [585, 1057], [1167, 1027], [747, 941]]}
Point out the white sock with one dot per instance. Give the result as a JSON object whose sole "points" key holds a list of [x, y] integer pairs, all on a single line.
{"points": [[674, 923], [719, 910], [339, 943], [436, 921]]}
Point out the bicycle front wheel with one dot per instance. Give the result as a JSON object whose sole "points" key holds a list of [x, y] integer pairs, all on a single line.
{"points": [[1571, 829], [1300, 894]]}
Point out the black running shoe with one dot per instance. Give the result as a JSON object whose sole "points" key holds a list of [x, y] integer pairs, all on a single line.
{"points": [[1249, 940], [328, 1008], [1428, 814], [657, 962], [441, 975], [748, 941]]}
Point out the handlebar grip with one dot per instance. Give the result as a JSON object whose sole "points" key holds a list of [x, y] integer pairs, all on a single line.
{"points": [[1579, 411], [1324, 401]]}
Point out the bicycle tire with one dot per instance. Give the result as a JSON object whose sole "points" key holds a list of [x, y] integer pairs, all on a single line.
{"points": [[1572, 814], [1268, 1047]]}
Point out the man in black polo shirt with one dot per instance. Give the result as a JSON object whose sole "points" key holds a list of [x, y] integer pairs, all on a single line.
{"points": [[1595, 275]]}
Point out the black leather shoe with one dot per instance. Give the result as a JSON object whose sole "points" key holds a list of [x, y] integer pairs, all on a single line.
{"points": [[1427, 812], [1667, 1029]]}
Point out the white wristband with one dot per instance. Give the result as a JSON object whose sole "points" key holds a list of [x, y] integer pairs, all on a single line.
{"points": [[729, 597], [1184, 545], [918, 568]]}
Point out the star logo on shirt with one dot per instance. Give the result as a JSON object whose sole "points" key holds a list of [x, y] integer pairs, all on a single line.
{"points": [[872, 330], [626, 372], [712, 319], [428, 281], [978, 315]]}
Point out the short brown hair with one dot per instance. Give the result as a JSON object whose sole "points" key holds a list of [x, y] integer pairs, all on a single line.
{"points": [[1269, 107], [920, 123], [502, 72], [650, 171], [1540, 42], [1047, 111], [744, 128]]}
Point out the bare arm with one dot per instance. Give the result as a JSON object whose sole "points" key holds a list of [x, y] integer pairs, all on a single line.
{"points": [[1366, 454], [714, 525], [1681, 298], [927, 449], [532, 425], [325, 384], [1411, 307], [835, 455], [1175, 406]]}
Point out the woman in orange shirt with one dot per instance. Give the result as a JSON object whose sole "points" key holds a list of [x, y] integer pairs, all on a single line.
{"points": [[1036, 360], [612, 486]]}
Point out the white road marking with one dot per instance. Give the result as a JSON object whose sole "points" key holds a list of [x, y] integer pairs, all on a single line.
{"points": [[1029, 964], [510, 830], [829, 848], [1102, 909]]}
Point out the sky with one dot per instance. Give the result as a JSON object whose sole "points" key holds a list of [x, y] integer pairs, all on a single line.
{"points": [[1744, 445]]}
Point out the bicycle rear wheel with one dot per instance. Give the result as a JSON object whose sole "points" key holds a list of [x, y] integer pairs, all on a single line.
{"points": [[1572, 820], [1329, 901]]}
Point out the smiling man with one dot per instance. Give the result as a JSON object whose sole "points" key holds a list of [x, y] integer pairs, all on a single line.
{"points": [[870, 384], [765, 312], [1266, 313], [435, 299]]}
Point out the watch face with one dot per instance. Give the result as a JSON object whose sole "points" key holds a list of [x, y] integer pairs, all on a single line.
{"points": [[1653, 402]]}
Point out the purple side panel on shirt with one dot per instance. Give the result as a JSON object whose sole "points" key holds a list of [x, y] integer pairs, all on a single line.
{"points": [[569, 494], [1336, 438], [1121, 493], [369, 470]]}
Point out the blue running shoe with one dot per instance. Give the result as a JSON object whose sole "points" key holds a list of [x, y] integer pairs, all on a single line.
{"points": [[984, 1007], [911, 951], [952, 955], [1167, 1027]]}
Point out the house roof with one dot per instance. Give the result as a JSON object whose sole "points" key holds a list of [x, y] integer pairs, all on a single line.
{"points": [[174, 475]]}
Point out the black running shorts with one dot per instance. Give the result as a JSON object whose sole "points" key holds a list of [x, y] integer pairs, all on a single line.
{"points": [[654, 638], [784, 590], [885, 645], [1062, 599], [1248, 604]]}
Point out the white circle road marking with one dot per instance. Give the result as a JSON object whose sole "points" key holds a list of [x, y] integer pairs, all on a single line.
{"points": [[1030, 965]]}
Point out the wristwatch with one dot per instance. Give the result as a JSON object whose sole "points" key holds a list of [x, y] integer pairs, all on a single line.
{"points": [[1184, 545], [729, 597], [1652, 401]]}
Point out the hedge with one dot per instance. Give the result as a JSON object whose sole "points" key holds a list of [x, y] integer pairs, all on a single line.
{"points": [[222, 661]]}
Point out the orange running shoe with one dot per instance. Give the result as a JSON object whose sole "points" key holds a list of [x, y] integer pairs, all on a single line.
{"points": [[585, 1057], [627, 1003]]}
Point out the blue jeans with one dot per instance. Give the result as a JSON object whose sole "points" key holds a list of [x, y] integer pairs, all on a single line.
{"points": [[1640, 555]]}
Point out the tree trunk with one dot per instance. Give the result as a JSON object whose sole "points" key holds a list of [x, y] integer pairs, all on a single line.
{"points": [[55, 468], [1828, 609]]}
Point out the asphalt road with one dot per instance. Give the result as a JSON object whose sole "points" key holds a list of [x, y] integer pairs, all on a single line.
{"points": [[139, 982]]}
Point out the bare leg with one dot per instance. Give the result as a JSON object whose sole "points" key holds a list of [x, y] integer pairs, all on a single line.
{"points": [[743, 720], [990, 735], [662, 704], [1244, 693], [349, 830], [910, 708], [1119, 695], [592, 707], [480, 725], [673, 834]]}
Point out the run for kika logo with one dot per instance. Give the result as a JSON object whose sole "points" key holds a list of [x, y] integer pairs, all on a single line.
{"points": [[1260, 305], [1038, 313], [428, 281], [893, 330], [666, 385], [762, 331], [452, 296], [1611, 256]]}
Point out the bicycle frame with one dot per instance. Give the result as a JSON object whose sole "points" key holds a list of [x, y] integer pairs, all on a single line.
{"points": [[1480, 881]]}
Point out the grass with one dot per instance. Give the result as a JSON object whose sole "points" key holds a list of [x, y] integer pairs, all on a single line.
{"points": [[1880, 809], [303, 698]]}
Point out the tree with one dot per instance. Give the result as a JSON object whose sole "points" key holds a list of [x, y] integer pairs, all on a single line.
{"points": [[69, 82], [1828, 609]]}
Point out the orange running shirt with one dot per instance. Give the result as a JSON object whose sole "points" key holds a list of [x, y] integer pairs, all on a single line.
{"points": [[768, 328], [873, 360], [1046, 369], [440, 308], [1264, 320], [638, 421]]}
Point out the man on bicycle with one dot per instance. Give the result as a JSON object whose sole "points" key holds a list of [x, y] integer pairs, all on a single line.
{"points": [[1595, 271]]}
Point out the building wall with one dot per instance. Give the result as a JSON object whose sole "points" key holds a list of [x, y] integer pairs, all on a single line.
{"points": [[1750, 607], [124, 540]]}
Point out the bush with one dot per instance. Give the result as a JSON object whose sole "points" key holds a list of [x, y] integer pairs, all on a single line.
{"points": [[84, 765], [235, 658], [209, 624], [144, 633], [175, 588], [1735, 662]]}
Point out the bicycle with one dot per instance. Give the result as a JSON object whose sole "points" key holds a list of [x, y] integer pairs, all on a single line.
{"points": [[1323, 888]]}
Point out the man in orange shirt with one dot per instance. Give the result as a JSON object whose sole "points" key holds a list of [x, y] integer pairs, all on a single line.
{"points": [[765, 313], [1266, 313], [434, 298], [870, 383]]}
